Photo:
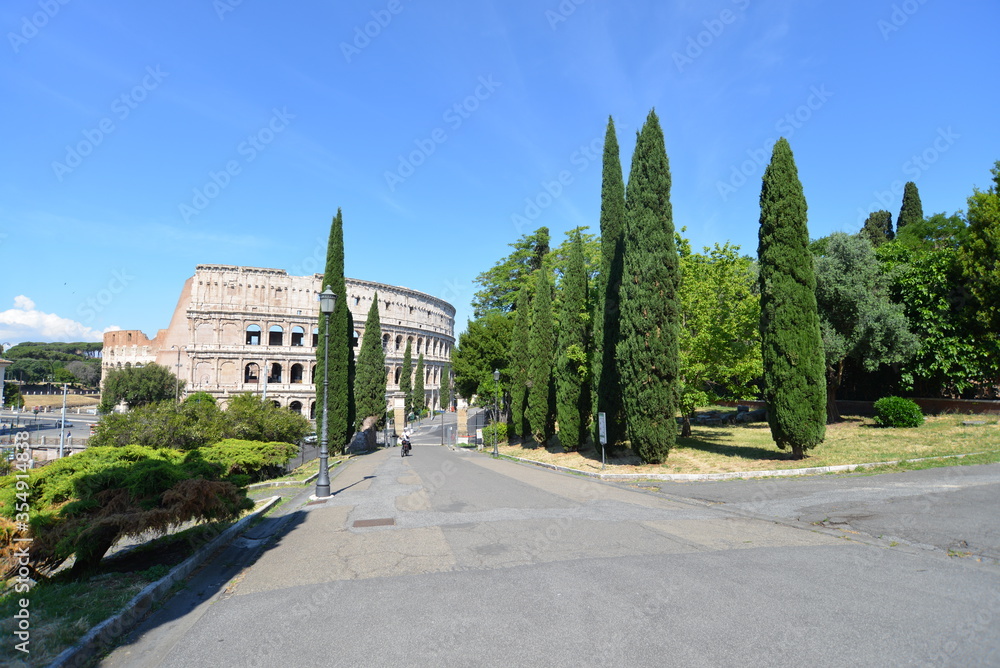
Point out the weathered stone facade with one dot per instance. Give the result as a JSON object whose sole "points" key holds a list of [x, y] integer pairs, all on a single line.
{"points": [[233, 323]]}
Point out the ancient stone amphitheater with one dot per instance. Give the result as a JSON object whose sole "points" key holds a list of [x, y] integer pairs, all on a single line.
{"points": [[247, 329]]}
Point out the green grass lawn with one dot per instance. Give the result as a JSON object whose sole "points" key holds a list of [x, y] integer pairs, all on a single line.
{"points": [[727, 448]]}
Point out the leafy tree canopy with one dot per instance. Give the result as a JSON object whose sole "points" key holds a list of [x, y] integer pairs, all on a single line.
{"points": [[501, 282], [137, 386], [483, 347]]}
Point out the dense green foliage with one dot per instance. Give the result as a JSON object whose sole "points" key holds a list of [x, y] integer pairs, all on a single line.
{"points": [[12, 396], [197, 422], [481, 348], [791, 344], [607, 395], [81, 505], [501, 283], [445, 393], [911, 210], [370, 383], [720, 331], [497, 430], [540, 405], [858, 320], [898, 412], [340, 400], [35, 362], [980, 255], [419, 394], [519, 361], [572, 364], [406, 377], [246, 462], [647, 354], [138, 386], [878, 228]]}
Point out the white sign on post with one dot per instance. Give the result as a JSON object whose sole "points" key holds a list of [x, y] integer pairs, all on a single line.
{"points": [[602, 428]]}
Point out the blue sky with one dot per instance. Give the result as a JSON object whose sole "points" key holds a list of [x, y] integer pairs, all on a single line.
{"points": [[146, 138]]}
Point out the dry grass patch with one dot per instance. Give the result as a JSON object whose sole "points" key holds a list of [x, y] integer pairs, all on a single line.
{"points": [[729, 448], [55, 400]]}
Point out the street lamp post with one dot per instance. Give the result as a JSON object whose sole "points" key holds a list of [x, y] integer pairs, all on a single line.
{"points": [[496, 416], [327, 302], [177, 375]]}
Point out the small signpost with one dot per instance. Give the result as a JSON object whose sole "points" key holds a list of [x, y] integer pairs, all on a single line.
{"points": [[602, 434]]}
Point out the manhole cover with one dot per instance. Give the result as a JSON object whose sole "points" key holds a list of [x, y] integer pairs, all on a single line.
{"points": [[383, 522]]}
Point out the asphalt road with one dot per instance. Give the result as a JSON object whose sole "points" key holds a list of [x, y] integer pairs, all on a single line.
{"points": [[950, 508], [451, 558]]}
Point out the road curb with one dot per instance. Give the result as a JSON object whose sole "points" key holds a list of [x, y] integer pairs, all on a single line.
{"points": [[104, 634], [733, 475]]}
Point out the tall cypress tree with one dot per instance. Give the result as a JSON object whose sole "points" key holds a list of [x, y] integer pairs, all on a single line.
{"points": [[540, 350], [878, 228], [339, 401], [445, 391], [650, 308], [406, 378], [791, 344], [607, 394], [419, 398], [369, 387], [911, 211], [572, 398], [519, 361]]}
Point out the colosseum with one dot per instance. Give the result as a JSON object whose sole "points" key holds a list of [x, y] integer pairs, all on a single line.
{"points": [[248, 329]]}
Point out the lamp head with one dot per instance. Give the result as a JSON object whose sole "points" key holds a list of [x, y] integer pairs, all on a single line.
{"points": [[327, 301]]}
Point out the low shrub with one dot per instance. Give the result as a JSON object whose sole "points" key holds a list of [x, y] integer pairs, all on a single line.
{"points": [[898, 412], [495, 429], [247, 462]]}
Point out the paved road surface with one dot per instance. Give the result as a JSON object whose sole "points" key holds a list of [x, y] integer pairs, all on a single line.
{"points": [[450, 558]]}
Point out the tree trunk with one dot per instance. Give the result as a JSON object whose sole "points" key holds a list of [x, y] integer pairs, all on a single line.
{"points": [[797, 451], [833, 379], [686, 427], [92, 547]]}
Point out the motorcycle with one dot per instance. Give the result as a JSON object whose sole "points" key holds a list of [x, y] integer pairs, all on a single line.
{"points": [[405, 449]]}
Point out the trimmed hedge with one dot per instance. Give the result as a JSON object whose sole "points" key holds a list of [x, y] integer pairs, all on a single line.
{"points": [[898, 412]]}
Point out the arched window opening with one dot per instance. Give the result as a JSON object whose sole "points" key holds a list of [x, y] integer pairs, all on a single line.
{"points": [[398, 372], [312, 411], [399, 341], [274, 374], [296, 374], [385, 342], [275, 336], [355, 338], [251, 373], [298, 336], [315, 336], [253, 335], [295, 406]]}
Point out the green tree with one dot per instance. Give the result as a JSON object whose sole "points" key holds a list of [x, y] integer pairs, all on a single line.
{"points": [[540, 351], [957, 352], [445, 390], [12, 395], [81, 505], [87, 373], [980, 255], [482, 347], [791, 344], [911, 211], [519, 362], [137, 386], [607, 394], [878, 228], [340, 402], [248, 417], [406, 377], [572, 372], [370, 383], [501, 282], [419, 396], [720, 330], [647, 353], [858, 320]]}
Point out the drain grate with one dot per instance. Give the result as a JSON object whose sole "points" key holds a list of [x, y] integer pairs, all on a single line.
{"points": [[383, 522]]}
